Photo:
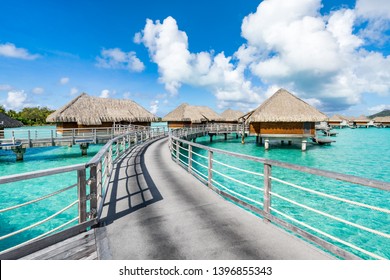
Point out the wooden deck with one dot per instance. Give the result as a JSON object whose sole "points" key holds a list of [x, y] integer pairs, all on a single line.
{"points": [[79, 247]]}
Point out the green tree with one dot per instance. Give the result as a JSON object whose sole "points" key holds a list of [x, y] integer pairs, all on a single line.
{"points": [[2, 109]]}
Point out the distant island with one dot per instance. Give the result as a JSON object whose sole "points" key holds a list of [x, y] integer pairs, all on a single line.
{"points": [[384, 113]]}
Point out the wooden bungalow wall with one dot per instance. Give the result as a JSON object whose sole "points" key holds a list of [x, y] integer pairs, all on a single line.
{"points": [[279, 128]]}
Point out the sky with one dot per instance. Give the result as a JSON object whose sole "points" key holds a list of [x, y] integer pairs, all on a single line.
{"points": [[233, 54]]}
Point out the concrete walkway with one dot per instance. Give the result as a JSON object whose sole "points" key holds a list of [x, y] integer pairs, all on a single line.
{"points": [[163, 212]]}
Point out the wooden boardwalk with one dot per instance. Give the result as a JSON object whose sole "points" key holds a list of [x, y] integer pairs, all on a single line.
{"points": [[154, 209]]}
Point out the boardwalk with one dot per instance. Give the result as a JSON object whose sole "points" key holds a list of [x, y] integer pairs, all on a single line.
{"points": [[156, 210]]}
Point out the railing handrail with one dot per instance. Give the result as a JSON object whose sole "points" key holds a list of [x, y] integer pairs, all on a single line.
{"points": [[178, 146], [96, 180], [315, 171]]}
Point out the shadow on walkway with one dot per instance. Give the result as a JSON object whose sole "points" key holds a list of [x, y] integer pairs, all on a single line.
{"points": [[131, 187]]}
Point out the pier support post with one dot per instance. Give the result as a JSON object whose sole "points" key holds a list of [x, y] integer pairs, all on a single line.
{"points": [[304, 144], [84, 148], [266, 144], [19, 152], [225, 136], [282, 142], [236, 135], [211, 138], [289, 142], [257, 139]]}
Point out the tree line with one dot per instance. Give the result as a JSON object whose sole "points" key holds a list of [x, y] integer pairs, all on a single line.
{"points": [[29, 115]]}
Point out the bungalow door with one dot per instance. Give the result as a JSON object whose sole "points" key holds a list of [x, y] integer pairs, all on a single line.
{"points": [[307, 128]]}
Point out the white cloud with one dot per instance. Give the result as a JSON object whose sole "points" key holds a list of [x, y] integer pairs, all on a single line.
{"points": [[64, 80], [38, 90], [10, 50], [373, 8], [154, 106], [289, 43], [117, 59], [379, 108], [105, 93], [16, 100], [168, 48], [4, 87], [73, 91]]}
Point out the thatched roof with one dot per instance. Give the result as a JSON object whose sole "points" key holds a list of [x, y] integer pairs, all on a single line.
{"points": [[382, 119], [8, 122], [283, 106], [361, 118], [191, 113], [337, 118], [230, 115], [89, 110]]}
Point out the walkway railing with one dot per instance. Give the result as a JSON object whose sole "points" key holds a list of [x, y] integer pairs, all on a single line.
{"points": [[91, 179], [31, 137], [321, 215]]}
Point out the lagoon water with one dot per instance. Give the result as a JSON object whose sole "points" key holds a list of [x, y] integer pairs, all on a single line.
{"points": [[360, 152]]}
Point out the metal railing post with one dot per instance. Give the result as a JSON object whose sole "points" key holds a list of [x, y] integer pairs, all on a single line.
{"points": [[267, 190], [82, 195], [210, 169], [189, 158], [177, 152], [93, 191]]}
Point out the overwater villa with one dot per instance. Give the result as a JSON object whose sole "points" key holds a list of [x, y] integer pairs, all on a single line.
{"points": [[7, 122], [362, 121], [284, 116], [88, 111], [187, 115], [382, 121], [337, 121], [231, 116]]}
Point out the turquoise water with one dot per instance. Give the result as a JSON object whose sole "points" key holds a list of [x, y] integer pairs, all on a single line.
{"points": [[359, 152], [20, 192]]}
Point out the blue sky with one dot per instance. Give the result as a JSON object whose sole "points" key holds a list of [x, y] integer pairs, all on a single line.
{"points": [[224, 54]]}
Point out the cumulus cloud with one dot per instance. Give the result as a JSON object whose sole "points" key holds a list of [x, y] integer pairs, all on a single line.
{"points": [[373, 9], [16, 100], [64, 80], [4, 87], [38, 90], [379, 108], [154, 106], [105, 93], [168, 48], [118, 59], [10, 50], [74, 91], [290, 44]]}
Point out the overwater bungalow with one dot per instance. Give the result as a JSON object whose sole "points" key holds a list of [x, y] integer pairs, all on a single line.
{"points": [[284, 116], [382, 121], [231, 116], [362, 121], [337, 121], [94, 112], [7, 122], [187, 115]]}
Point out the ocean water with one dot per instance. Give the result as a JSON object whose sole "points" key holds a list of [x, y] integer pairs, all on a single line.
{"points": [[24, 191], [359, 152]]}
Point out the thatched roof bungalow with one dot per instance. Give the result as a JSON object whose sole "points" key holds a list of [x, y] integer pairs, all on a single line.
{"points": [[88, 111], [187, 115], [284, 116], [362, 121], [7, 122], [337, 121], [382, 121], [231, 116]]}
